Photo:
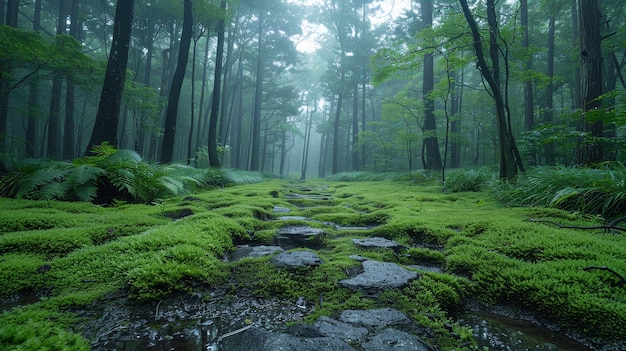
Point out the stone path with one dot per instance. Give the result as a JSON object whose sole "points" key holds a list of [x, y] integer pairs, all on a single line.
{"points": [[378, 329]]}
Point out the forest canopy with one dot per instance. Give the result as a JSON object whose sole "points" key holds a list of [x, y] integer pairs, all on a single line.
{"points": [[318, 88]]}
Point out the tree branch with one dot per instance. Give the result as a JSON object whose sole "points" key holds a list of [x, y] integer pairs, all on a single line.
{"points": [[612, 225], [622, 280]]}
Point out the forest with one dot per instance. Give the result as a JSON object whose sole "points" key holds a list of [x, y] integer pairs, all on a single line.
{"points": [[143, 143], [344, 88]]}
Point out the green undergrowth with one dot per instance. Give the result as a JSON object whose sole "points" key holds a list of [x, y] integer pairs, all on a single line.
{"points": [[77, 254]]}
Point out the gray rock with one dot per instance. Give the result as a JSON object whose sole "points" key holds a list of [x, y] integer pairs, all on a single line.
{"points": [[341, 330], [292, 237], [377, 242], [254, 252], [358, 258], [376, 318], [377, 276], [279, 209], [262, 340], [295, 259], [394, 340]]}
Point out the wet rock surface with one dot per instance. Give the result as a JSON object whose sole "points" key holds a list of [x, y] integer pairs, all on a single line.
{"points": [[292, 237], [297, 259], [377, 318], [378, 242], [379, 276], [395, 340]]}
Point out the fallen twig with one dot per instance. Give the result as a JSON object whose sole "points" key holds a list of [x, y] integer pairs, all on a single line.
{"points": [[622, 280], [156, 312], [234, 332]]}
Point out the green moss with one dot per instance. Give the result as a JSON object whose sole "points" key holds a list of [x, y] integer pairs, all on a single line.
{"points": [[35, 329], [19, 272]]}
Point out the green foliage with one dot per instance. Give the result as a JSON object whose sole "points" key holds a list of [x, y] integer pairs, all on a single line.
{"points": [[32, 329], [600, 190], [461, 180], [107, 175]]}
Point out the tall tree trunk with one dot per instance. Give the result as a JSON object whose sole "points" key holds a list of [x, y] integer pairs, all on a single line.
{"points": [[192, 107], [591, 76], [576, 81], [171, 114], [201, 119], [107, 119], [54, 119], [34, 112], [11, 13], [509, 164], [456, 99], [335, 164], [355, 126], [307, 140], [147, 76], [214, 159], [549, 103], [258, 94], [529, 105], [431, 157], [70, 92]]}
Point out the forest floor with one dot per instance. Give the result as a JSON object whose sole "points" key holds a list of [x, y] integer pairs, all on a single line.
{"points": [[123, 277]]}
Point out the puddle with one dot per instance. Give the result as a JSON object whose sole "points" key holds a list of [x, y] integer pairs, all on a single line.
{"points": [[498, 333]]}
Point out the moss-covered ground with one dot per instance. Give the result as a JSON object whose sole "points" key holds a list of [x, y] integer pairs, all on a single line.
{"points": [[76, 254]]}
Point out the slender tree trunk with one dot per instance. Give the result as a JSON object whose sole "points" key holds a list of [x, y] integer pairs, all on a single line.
{"points": [[214, 159], [431, 156], [258, 94], [70, 92], [549, 103], [54, 119], [591, 76], [529, 108], [455, 126], [192, 109], [34, 112], [355, 126], [576, 80], [107, 119], [11, 13], [508, 163], [171, 115], [307, 140], [201, 119], [335, 164], [144, 127]]}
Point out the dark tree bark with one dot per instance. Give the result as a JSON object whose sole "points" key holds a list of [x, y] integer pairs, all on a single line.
{"points": [[509, 162], [107, 119], [69, 143], [11, 21], [335, 164], [456, 97], [54, 119], [214, 160], [11, 13], [529, 105], [171, 114], [549, 103], [431, 157], [34, 111], [591, 76], [355, 126]]}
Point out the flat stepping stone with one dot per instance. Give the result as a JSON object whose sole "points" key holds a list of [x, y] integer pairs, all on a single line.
{"points": [[431, 269], [259, 339], [378, 276], [279, 209], [293, 237], [341, 330], [297, 259], [254, 252], [395, 340], [377, 318], [377, 242], [293, 218]]}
